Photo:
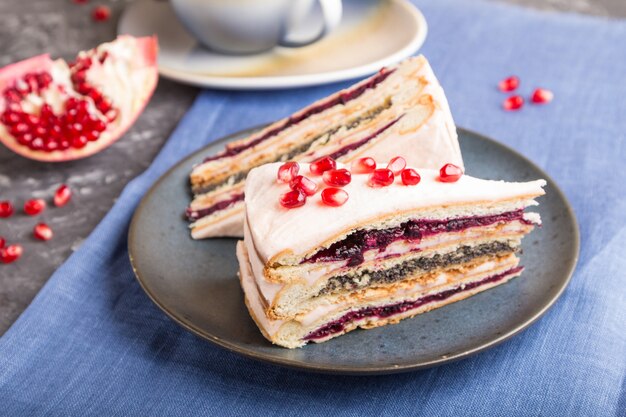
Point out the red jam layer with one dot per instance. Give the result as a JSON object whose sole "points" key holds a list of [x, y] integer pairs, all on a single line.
{"points": [[339, 325], [193, 215], [356, 244], [353, 146], [340, 99]]}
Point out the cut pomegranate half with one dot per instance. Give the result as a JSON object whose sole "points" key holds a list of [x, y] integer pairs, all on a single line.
{"points": [[51, 111]]}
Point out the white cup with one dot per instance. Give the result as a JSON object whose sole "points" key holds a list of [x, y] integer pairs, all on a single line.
{"points": [[251, 26]]}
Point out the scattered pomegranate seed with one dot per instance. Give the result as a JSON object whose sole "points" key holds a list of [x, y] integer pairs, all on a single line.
{"points": [[450, 173], [410, 176], [62, 195], [288, 171], [381, 178], [322, 165], [42, 232], [6, 209], [513, 103], [363, 165], [80, 1], [2, 242], [34, 206], [396, 165], [303, 184], [334, 197], [337, 177], [542, 96], [101, 13], [292, 199], [509, 84], [11, 253]]}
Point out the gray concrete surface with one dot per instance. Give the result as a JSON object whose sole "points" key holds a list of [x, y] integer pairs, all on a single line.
{"points": [[61, 28]]}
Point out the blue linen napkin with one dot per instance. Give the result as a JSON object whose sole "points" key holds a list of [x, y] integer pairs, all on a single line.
{"points": [[92, 343]]}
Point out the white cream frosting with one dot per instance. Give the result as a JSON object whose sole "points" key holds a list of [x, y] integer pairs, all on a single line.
{"points": [[275, 229]]}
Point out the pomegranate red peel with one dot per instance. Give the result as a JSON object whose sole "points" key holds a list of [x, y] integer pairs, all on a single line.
{"points": [[96, 85]]}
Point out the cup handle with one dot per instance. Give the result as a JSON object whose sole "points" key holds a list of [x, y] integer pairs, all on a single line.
{"points": [[331, 12]]}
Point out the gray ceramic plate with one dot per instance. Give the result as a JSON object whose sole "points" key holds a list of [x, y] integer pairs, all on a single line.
{"points": [[195, 282]]}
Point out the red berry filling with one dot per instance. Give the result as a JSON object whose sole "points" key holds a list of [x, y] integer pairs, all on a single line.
{"points": [[339, 325]]}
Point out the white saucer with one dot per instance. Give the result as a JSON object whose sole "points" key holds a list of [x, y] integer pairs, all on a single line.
{"points": [[372, 34]]}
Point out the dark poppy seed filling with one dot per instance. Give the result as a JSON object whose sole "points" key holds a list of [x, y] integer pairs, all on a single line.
{"points": [[319, 140], [193, 215], [398, 272], [341, 152], [340, 99], [355, 244], [339, 325]]}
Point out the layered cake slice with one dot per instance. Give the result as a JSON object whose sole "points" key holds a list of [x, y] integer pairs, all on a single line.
{"points": [[399, 110], [364, 247]]}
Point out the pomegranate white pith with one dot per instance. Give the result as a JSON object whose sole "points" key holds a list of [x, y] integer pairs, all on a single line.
{"points": [[52, 111]]}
